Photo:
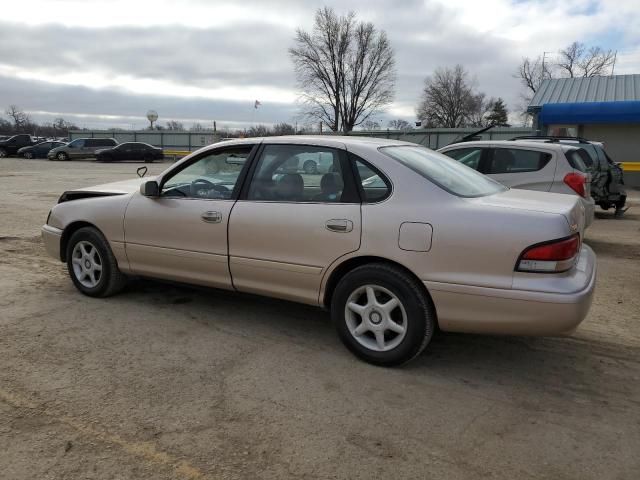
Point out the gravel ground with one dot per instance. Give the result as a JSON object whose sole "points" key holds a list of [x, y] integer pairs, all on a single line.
{"points": [[165, 382]]}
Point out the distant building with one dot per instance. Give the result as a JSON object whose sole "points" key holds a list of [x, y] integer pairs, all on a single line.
{"points": [[606, 109]]}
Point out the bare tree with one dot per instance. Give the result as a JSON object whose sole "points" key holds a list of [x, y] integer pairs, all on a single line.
{"points": [[577, 60], [531, 72], [20, 119], [175, 125], [196, 127], [371, 125], [259, 131], [345, 70], [398, 124], [447, 99], [478, 110], [284, 129]]}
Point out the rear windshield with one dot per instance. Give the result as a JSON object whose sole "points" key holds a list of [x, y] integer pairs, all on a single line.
{"points": [[445, 172], [579, 159]]}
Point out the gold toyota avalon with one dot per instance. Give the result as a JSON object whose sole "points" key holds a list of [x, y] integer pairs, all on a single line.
{"points": [[393, 238]]}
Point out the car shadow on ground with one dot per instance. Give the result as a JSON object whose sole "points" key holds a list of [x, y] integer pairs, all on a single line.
{"points": [[560, 365]]}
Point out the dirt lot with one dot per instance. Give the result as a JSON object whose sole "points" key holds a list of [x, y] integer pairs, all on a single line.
{"points": [[173, 382]]}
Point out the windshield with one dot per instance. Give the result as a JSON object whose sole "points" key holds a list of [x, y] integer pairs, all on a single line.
{"points": [[448, 174]]}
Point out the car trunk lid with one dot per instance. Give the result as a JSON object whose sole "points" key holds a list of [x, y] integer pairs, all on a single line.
{"points": [[568, 206]]}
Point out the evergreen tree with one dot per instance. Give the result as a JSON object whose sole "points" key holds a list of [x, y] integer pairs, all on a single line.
{"points": [[498, 115]]}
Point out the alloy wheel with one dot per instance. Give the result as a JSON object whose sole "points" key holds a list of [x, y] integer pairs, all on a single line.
{"points": [[376, 318], [87, 264]]}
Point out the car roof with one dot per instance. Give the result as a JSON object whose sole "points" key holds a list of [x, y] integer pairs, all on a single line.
{"points": [[338, 141], [517, 143]]}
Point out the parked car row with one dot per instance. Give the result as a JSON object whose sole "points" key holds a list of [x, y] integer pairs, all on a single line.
{"points": [[396, 240], [102, 149]]}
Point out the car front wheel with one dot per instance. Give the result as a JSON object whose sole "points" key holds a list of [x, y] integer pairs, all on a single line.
{"points": [[3, 153], [28, 155], [382, 314], [92, 266], [62, 156]]}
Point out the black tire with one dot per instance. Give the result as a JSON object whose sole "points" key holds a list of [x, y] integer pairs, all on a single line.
{"points": [[310, 167], [3, 153], [28, 155], [420, 322], [111, 280], [63, 157]]}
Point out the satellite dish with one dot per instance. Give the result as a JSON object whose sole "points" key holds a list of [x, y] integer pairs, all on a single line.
{"points": [[152, 116]]}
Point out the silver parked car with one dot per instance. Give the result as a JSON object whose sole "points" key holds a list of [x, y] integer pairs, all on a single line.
{"points": [[81, 148], [395, 240], [532, 165]]}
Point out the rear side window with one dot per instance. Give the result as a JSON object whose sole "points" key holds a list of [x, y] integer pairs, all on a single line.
{"points": [[576, 159], [515, 160], [375, 186], [467, 156]]}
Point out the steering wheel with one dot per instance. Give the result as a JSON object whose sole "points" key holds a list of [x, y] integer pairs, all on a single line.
{"points": [[203, 184]]}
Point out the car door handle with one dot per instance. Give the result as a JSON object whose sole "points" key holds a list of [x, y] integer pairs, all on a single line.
{"points": [[211, 217], [339, 225]]}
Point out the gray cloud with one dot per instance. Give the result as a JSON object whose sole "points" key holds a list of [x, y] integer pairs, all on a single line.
{"points": [[243, 54], [85, 106]]}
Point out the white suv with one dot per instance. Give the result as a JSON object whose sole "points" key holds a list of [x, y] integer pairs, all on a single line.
{"points": [[530, 165]]}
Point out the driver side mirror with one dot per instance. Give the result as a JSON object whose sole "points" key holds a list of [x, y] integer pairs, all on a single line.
{"points": [[150, 189]]}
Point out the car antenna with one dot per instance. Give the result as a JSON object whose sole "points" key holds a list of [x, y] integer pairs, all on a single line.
{"points": [[142, 171]]}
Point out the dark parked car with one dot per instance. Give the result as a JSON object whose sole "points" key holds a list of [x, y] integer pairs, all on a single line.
{"points": [[607, 181], [40, 150], [130, 151], [11, 145]]}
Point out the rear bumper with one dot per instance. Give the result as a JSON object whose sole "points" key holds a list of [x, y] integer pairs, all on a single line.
{"points": [[464, 308], [51, 237], [589, 211]]}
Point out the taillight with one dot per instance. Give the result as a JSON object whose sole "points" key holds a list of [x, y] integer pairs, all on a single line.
{"points": [[550, 257], [576, 182]]}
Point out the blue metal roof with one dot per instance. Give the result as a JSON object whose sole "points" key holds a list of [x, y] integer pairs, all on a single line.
{"points": [[591, 112], [615, 88]]}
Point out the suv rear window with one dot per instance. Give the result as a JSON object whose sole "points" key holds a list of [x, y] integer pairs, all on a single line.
{"points": [[445, 172], [577, 159]]}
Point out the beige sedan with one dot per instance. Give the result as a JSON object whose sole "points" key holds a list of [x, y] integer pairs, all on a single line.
{"points": [[395, 239]]}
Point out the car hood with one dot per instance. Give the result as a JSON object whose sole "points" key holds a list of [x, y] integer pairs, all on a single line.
{"points": [[122, 187], [568, 206], [107, 189]]}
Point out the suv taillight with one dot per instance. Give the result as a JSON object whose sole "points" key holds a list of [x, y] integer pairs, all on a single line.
{"points": [[550, 257], [576, 182]]}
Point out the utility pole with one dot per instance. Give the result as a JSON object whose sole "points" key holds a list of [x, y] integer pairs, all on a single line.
{"points": [[613, 67], [544, 55]]}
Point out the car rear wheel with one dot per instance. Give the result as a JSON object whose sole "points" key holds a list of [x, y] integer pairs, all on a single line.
{"points": [[62, 156], [382, 314], [28, 155], [92, 266]]}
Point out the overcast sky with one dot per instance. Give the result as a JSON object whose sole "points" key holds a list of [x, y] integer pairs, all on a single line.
{"points": [[104, 63]]}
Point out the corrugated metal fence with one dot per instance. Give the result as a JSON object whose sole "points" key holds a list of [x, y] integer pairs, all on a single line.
{"points": [[170, 139], [175, 140], [435, 138]]}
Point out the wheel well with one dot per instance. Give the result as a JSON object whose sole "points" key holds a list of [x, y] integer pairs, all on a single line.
{"points": [[355, 262], [66, 235]]}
